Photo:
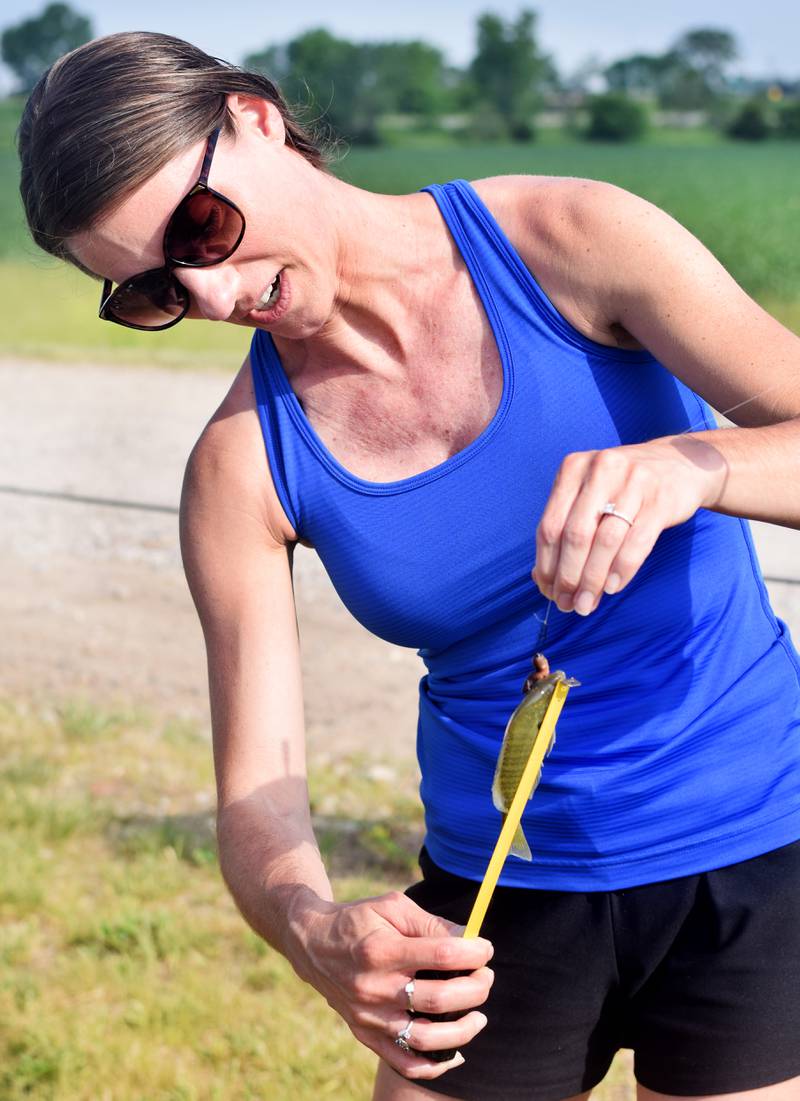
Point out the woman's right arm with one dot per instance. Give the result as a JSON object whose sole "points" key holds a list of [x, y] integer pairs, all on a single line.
{"points": [[358, 955]]}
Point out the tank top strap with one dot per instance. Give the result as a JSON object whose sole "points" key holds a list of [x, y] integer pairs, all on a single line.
{"points": [[486, 247], [492, 259]]}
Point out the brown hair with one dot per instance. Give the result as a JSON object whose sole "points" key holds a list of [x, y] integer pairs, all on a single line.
{"points": [[109, 114]]}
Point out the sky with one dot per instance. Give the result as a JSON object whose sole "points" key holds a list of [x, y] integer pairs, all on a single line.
{"points": [[570, 30]]}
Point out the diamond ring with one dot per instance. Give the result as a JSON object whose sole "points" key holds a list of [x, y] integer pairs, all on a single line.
{"points": [[403, 1036]]}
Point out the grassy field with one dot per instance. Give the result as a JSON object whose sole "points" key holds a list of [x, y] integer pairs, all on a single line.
{"points": [[126, 973], [741, 200]]}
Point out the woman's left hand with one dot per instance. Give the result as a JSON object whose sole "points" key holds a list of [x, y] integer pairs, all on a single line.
{"points": [[582, 552]]}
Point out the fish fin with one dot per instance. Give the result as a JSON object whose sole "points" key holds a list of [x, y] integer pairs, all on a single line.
{"points": [[520, 846], [497, 795], [535, 783], [549, 749]]}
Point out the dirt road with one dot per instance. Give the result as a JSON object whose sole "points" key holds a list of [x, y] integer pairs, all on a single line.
{"points": [[94, 602]]}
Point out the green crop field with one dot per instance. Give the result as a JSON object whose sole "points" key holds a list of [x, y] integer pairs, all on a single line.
{"points": [[740, 199]]}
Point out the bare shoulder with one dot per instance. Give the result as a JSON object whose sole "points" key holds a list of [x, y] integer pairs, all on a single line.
{"points": [[556, 224], [228, 465]]}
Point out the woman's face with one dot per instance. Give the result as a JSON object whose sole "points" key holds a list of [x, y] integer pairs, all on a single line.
{"points": [[273, 187]]}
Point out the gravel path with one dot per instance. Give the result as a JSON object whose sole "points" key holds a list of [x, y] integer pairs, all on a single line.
{"points": [[94, 600], [95, 604]]}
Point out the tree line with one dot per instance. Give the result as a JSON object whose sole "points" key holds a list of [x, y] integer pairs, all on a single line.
{"points": [[352, 87]]}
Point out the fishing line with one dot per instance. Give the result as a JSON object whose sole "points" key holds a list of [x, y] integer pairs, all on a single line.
{"points": [[543, 625], [733, 408], [542, 621]]}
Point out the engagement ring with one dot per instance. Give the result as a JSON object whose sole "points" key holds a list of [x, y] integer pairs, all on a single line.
{"points": [[403, 1036]]}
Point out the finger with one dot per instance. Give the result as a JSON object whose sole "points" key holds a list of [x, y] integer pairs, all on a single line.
{"points": [[566, 486], [410, 1064], [387, 952], [452, 994], [439, 1035], [637, 545], [378, 1003], [411, 920], [580, 530], [598, 573], [414, 1066], [605, 481], [409, 1059]]}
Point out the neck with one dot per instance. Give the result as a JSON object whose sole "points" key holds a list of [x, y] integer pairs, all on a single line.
{"points": [[386, 259]]}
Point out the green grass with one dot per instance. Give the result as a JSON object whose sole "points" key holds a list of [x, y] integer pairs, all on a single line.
{"points": [[52, 314], [740, 199], [126, 972]]}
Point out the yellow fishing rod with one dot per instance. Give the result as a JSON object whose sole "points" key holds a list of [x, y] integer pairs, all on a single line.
{"points": [[540, 739], [542, 742]]}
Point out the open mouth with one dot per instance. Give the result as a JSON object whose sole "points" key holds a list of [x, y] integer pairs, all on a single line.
{"points": [[274, 301], [270, 296]]}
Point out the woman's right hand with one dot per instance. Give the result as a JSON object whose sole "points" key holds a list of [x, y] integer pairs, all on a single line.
{"points": [[360, 956]]}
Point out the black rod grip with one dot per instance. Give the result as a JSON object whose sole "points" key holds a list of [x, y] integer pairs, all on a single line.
{"points": [[455, 1015]]}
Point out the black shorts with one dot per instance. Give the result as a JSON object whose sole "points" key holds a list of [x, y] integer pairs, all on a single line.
{"points": [[699, 975]]}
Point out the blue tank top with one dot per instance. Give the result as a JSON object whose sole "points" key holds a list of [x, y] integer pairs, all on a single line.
{"points": [[680, 752]]}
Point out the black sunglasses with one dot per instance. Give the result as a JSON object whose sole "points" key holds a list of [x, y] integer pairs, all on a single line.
{"points": [[205, 228]]}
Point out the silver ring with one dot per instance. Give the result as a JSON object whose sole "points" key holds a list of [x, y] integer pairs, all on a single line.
{"points": [[409, 989], [403, 1036], [610, 509]]}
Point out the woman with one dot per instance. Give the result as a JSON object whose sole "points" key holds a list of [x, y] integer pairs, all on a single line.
{"points": [[433, 379]]}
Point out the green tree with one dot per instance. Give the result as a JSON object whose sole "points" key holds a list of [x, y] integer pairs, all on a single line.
{"points": [[30, 47], [413, 75], [509, 73], [696, 76], [682, 87], [789, 120], [691, 75], [751, 122], [642, 73], [322, 73], [615, 117], [351, 84], [708, 51]]}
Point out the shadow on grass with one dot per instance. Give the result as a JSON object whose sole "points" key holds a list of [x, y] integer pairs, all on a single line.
{"points": [[360, 847]]}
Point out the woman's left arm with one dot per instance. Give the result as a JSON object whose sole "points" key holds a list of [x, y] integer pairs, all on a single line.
{"points": [[655, 279]]}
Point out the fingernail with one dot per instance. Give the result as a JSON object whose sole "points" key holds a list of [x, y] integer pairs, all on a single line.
{"points": [[612, 584], [584, 603], [484, 1020], [564, 602], [458, 1059], [486, 944]]}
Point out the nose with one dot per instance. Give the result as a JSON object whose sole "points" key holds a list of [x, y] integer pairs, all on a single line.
{"points": [[213, 290]]}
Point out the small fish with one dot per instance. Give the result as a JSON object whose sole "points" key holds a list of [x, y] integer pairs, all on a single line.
{"points": [[519, 739]]}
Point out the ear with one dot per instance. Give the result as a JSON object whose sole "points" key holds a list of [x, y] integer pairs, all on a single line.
{"points": [[257, 116]]}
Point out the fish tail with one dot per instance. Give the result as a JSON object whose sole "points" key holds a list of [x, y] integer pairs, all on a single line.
{"points": [[520, 846]]}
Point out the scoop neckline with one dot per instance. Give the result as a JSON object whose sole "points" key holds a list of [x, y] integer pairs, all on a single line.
{"points": [[423, 477]]}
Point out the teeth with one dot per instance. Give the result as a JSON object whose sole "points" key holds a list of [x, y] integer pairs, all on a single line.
{"points": [[270, 295]]}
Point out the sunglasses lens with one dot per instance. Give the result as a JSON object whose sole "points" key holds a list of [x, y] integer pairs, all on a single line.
{"points": [[149, 301], [203, 230]]}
